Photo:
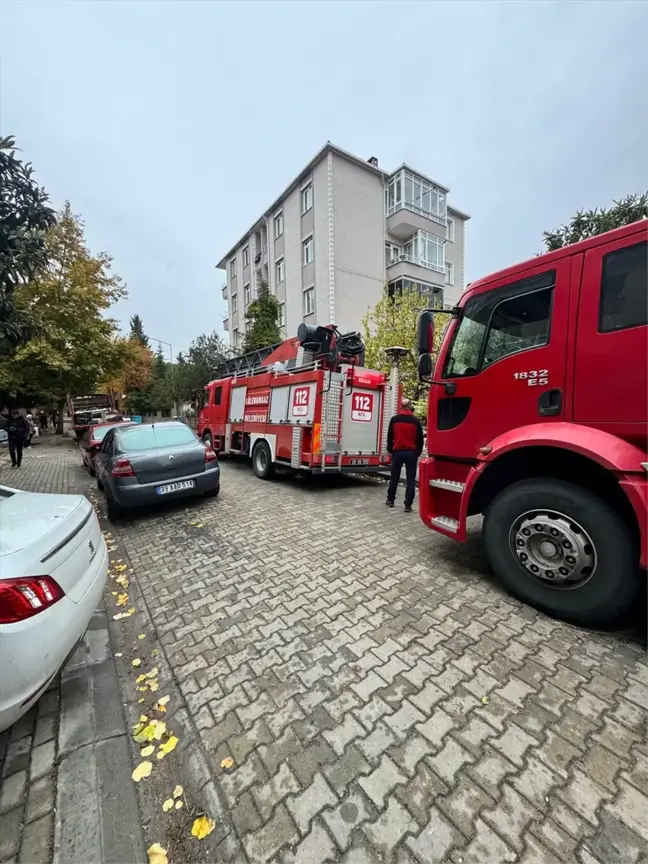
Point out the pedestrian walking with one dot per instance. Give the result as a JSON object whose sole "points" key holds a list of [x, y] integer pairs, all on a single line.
{"points": [[18, 432], [405, 443]]}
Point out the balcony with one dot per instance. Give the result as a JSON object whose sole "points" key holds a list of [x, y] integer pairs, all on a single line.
{"points": [[413, 203], [224, 291], [226, 324]]}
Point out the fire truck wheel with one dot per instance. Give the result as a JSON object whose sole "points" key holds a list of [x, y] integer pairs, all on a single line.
{"points": [[208, 440], [562, 549], [262, 461]]}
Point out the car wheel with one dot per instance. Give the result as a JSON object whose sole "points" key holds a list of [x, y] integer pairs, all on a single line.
{"points": [[262, 461], [91, 470], [212, 493], [115, 512], [100, 485], [562, 549]]}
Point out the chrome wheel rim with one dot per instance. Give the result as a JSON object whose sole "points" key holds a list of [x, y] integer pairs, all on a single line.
{"points": [[553, 549], [261, 459]]}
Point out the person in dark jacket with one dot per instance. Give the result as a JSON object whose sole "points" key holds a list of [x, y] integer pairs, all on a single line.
{"points": [[18, 432], [405, 443]]}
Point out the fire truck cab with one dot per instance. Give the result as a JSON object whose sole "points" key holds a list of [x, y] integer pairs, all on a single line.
{"points": [[538, 419], [307, 404]]}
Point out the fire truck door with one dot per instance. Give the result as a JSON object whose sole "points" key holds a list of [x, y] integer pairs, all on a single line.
{"points": [[237, 405], [360, 421], [506, 359], [611, 383]]}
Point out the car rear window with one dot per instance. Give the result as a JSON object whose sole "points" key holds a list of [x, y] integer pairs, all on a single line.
{"points": [[146, 438], [100, 434]]}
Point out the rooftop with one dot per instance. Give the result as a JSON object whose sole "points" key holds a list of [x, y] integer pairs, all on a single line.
{"points": [[356, 160]]}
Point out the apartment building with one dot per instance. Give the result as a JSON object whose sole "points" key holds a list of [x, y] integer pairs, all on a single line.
{"points": [[342, 229]]}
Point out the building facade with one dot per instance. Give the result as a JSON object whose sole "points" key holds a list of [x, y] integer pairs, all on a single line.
{"points": [[340, 231]]}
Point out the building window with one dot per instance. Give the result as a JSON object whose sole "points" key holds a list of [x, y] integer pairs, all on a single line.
{"points": [[449, 276], [282, 315], [278, 224], [431, 295], [233, 267], [426, 250], [392, 253], [246, 256], [416, 194], [234, 303], [309, 300], [307, 198], [451, 229], [246, 294], [307, 250], [279, 271], [623, 289], [235, 337]]}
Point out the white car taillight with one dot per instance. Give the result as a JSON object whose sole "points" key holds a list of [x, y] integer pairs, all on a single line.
{"points": [[22, 598]]}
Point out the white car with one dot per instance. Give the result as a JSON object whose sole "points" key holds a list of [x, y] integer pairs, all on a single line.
{"points": [[53, 568]]}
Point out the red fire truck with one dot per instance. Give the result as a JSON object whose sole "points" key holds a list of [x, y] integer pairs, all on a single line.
{"points": [[307, 404], [538, 419]]}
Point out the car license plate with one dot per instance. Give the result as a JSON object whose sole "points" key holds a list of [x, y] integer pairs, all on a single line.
{"points": [[175, 487], [358, 461]]}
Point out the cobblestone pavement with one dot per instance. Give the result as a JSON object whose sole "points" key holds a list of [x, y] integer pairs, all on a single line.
{"points": [[381, 698]]}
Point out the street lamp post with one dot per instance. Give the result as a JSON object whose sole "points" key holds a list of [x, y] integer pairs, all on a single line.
{"points": [[173, 380]]}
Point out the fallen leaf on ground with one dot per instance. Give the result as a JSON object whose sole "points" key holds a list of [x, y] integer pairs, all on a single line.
{"points": [[485, 700], [161, 704], [169, 745], [168, 805], [119, 654], [227, 762], [153, 686], [143, 770], [159, 728], [177, 792], [141, 700], [153, 673], [147, 751], [136, 662], [157, 855], [121, 615], [154, 652], [142, 636], [122, 599], [179, 804], [202, 827]]}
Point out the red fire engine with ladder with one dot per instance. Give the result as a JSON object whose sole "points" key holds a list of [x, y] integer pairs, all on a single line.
{"points": [[306, 404]]}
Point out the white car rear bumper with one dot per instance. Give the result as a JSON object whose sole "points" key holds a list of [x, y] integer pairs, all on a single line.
{"points": [[33, 651]]}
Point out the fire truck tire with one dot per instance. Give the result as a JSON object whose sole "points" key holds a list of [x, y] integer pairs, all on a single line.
{"points": [[208, 440], [530, 528], [262, 461]]}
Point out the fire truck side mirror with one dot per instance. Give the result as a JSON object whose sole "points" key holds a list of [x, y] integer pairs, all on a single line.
{"points": [[425, 333], [425, 367]]}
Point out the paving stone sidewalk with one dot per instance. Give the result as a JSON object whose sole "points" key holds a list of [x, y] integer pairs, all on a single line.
{"points": [[66, 793], [380, 696]]}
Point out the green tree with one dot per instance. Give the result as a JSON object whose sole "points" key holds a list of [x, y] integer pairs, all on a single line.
{"points": [[589, 223], [205, 353], [392, 322], [137, 331], [76, 346], [25, 217], [263, 320]]}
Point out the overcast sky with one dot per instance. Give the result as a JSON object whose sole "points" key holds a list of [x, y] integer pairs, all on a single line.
{"points": [[172, 126]]}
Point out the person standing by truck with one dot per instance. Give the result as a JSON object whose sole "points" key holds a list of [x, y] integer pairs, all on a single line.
{"points": [[18, 431], [405, 443]]}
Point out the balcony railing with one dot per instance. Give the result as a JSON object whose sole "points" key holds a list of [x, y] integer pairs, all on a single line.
{"points": [[439, 218], [224, 291], [226, 324], [411, 259]]}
